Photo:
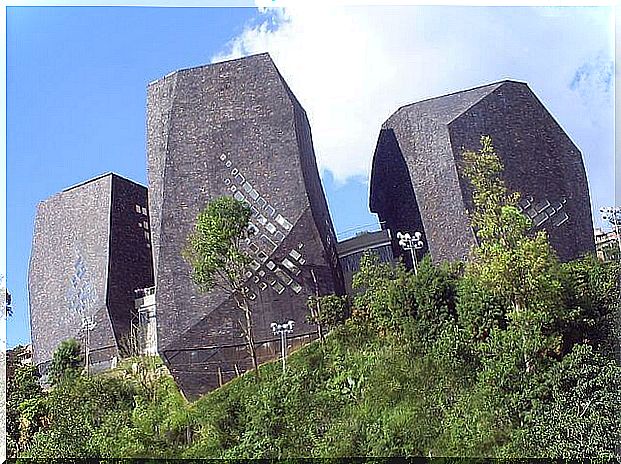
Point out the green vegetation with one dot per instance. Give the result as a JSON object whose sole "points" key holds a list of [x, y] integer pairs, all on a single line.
{"points": [[512, 354], [66, 362], [219, 260]]}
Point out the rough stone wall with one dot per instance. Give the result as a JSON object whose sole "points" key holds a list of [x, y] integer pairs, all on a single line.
{"points": [[230, 129], [392, 195], [540, 160], [70, 254], [85, 243], [130, 264], [425, 146]]}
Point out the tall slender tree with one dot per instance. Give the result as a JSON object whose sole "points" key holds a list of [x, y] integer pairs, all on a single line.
{"points": [[215, 250], [517, 268]]}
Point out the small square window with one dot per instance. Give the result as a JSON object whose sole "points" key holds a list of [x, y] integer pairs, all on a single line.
{"points": [[290, 266], [278, 287], [270, 228], [138, 209], [270, 265], [140, 225], [146, 225], [144, 210], [283, 222], [282, 276]]}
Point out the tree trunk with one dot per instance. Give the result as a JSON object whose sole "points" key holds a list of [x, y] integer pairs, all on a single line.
{"points": [[527, 362], [318, 310], [242, 303], [250, 336]]}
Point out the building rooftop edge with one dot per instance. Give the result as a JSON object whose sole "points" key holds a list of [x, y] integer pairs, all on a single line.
{"points": [[491, 84], [101, 176], [190, 68]]}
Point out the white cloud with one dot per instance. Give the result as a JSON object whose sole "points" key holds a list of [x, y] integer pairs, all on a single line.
{"points": [[351, 67]]}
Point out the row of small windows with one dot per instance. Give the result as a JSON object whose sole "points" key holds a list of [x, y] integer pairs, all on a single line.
{"points": [[144, 224]]}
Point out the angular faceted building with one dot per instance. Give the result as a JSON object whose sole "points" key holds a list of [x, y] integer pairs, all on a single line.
{"points": [[417, 181], [91, 250], [234, 128]]}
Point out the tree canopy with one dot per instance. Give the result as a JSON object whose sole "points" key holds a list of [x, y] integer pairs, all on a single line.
{"points": [[217, 254]]}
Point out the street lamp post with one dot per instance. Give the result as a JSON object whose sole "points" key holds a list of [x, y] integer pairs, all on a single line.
{"points": [[88, 324], [411, 243], [613, 216], [283, 330]]}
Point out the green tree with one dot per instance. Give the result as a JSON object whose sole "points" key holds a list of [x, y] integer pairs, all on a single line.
{"points": [[592, 314], [328, 310], [513, 271], [67, 362], [215, 251], [23, 389], [385, 293], [578, 412]]}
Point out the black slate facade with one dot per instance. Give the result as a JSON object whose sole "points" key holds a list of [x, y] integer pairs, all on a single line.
{"points": [[417, 182], [234, 128], [90, 251]]}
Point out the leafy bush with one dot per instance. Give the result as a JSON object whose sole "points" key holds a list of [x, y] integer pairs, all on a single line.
{"points": [[67, 362]]}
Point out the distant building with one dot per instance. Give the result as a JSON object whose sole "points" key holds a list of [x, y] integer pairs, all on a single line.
{"points": [[16, 357], [91, 249], [350, 252], [234, 128], [606, 245], [417, 181]]}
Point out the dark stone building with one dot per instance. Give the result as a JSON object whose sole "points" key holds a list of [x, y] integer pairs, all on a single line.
{"points": [[417, 182], [234, 128], [91, 249]]}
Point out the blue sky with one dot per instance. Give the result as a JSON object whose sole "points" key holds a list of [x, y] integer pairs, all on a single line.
{"points": [[77, 77]]}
